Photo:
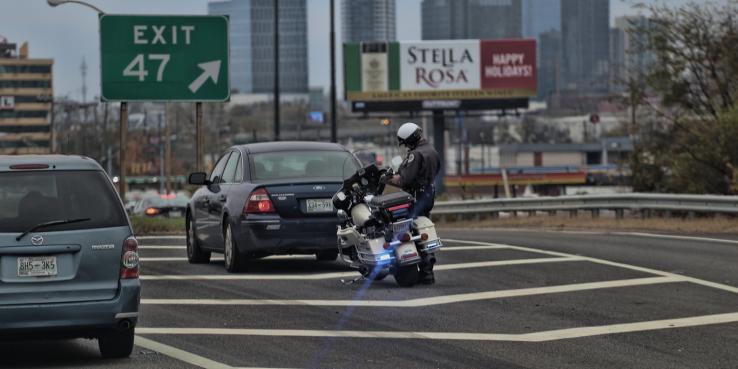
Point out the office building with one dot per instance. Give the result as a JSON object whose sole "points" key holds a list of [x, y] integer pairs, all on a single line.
{"points": [[540, 16], [627, 61], [368, 20], [585, 40], [252, 44], [549, 64], [26, 97], [471, 19]]}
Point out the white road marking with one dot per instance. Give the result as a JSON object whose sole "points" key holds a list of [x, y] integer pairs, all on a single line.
{"points": [[675, 237], [465, 248], [319, 276], [698, 281], [310, 256], [423, 302], [544, 336], [162, 247], [179, 354], [154, 259], [161, 237]]}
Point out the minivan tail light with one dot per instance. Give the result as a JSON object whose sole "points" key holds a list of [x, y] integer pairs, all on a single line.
{"points": [[129, 263], [29, 166], [259, 203]]}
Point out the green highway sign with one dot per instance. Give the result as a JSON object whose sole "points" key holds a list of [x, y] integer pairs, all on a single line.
{"points": [[164, 58]]}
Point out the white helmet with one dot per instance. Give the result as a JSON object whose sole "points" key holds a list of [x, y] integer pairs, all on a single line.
{"points": [[409, 134]]}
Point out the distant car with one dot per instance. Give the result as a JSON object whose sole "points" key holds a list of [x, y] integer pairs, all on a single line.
{"points": [[171, 206], [68, 258], [268, 198]]}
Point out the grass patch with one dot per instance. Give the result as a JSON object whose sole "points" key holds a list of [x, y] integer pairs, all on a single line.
{"points": [[714, 225], [145, 226]]}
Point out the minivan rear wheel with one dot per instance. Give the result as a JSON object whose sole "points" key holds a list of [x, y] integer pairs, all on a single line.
{"points": [[234, 261], [195, 254], [116, 344]]}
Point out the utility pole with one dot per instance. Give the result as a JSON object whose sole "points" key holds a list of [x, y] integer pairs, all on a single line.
{"points": [[122, 151], [334, 127], [276, 70], [167, 150]]}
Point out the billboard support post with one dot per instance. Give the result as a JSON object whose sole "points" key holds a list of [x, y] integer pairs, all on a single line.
{"points": [[439, 127]]}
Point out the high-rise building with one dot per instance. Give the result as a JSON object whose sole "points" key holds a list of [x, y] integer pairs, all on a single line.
{"points": [[368, 20], [540, 16], [627, 61], [585, 41], [542, 21], [549, 64], [471, 19], [25, 101], [252, 44]]}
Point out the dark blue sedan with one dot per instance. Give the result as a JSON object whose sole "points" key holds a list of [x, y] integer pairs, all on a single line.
{"points": [[266, 199]]}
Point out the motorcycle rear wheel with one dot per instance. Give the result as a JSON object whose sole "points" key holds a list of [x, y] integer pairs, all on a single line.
{"points": [[407, 276]]}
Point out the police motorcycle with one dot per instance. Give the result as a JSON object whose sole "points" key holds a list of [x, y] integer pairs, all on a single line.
{"points": [[377, 234]]}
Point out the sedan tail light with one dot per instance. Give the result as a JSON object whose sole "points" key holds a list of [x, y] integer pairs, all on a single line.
{"points": [[152, 211], [129, 261], [259, 203]]}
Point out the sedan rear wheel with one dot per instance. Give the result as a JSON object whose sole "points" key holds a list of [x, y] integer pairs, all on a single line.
{"points": [[195, 254], [234, 261]]}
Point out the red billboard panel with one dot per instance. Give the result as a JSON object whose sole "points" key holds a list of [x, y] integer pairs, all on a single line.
{"points": [[509, 65]]}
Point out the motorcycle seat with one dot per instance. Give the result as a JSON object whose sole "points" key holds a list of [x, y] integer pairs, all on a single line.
{"points": [[392, 199]]}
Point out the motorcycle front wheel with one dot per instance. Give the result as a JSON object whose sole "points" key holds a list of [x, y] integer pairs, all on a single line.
{"points": [[407, 276], [367, 273]]}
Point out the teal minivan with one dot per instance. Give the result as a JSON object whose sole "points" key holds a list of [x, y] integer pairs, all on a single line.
{"points": [[68, 257]]}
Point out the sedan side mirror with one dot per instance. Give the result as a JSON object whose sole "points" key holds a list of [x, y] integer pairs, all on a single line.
{"points": [[198, 178]]}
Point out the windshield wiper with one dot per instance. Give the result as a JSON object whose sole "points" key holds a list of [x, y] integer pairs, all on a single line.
{"points": [[49, 224]]}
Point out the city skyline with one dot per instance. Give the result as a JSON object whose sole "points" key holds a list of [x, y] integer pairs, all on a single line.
{"points": [[76, 34]]}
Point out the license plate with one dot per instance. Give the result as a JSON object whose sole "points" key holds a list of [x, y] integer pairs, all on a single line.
{"points": [[175, 214], [319, 206], [37, 266]]}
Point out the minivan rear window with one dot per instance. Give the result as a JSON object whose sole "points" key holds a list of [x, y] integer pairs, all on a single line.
{"points": [[303, 164], [34, 197]]}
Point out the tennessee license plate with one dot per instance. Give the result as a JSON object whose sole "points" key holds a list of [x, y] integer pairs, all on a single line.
{"points": [[37, 266], [319, 206]]}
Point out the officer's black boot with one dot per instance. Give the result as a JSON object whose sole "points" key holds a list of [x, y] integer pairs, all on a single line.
{"points": [[426, 275]]}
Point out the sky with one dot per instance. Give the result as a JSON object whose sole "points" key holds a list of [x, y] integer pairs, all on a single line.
{"points": [[69, 33]]}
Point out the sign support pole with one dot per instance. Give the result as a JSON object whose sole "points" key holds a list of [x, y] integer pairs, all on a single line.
{"points": [[122, 150], [439, 138], [198, 136]]}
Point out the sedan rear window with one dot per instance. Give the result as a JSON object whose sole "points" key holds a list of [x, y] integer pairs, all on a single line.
{"points": [[303, 164], [34, 197]]}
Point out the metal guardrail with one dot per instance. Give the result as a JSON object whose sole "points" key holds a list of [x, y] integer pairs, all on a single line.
{"points": [[643, 203]]}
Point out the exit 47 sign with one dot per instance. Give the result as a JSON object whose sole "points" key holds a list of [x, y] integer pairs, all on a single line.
{"points": [[164, 58]]}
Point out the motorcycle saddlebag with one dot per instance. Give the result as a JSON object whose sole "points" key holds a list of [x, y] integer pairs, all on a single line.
{"points": [[392, 199]]}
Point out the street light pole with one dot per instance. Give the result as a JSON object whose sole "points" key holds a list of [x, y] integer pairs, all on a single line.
{"points": [[276, 70], [334, 128], [61, 2]]}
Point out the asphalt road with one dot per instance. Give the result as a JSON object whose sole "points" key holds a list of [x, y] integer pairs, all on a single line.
{"points": [[503, 299]]}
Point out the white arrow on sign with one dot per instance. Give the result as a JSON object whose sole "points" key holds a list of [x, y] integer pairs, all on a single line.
{"points": [[210, 70]]}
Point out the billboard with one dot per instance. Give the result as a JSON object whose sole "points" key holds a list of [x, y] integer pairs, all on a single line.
{"points": [[440, 70]]}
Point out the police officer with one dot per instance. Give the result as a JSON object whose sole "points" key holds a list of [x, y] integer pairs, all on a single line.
{"points": [[416, 176]]}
